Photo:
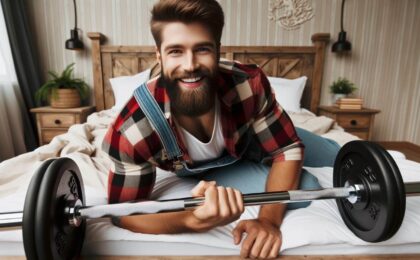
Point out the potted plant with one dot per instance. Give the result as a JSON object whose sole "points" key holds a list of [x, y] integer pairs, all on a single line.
{"points": [[341, 88], [63, 91]]}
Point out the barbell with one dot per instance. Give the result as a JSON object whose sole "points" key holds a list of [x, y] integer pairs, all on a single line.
{"points": [[368, 189]]}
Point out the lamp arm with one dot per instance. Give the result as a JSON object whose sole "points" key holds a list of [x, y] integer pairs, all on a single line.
{"points": [[75, 15], [342, 14]]}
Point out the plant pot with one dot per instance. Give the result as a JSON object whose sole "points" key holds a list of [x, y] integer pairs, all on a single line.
{"points": [[66, 98], [336, 97]]}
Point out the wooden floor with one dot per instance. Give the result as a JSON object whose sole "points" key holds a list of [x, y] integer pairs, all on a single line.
{"points": [[411, 151]]}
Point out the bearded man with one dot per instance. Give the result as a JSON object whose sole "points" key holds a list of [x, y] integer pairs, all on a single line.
{"points": [[211, 119]]}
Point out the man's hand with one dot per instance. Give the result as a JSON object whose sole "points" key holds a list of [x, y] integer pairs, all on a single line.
{"points": [[263, 239], [221, 206]]}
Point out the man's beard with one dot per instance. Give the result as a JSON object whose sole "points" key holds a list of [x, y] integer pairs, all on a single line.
{"points": [[191, 102]]}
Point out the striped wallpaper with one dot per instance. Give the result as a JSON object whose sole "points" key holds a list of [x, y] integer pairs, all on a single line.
{"points": [[384, 62]]}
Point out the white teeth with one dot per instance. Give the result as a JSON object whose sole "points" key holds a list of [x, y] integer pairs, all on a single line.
{"points": [[191, 80]]}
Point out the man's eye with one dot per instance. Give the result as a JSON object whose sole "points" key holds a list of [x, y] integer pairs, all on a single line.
{"points": [[174, 52], [203, 49]]}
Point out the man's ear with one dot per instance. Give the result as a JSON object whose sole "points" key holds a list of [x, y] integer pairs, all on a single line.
{"points": [[158, 56], [218, 51]]}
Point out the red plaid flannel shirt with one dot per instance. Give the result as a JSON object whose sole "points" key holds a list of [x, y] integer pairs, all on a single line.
{"points": [[247, 104]]}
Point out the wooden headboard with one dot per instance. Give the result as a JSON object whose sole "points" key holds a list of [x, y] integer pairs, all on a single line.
{"points": [[278, 61]]}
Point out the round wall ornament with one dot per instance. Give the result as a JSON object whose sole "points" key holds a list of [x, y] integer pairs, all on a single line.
{"points": [[290, 14]]}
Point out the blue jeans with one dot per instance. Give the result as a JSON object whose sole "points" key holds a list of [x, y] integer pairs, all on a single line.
{"points": [[250, 177]]}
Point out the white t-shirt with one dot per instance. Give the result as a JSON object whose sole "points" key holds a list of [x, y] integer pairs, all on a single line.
{"points": [[213, 149]]}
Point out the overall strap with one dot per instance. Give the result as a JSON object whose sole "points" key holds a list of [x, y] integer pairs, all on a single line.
{"points": [[154, 114]]}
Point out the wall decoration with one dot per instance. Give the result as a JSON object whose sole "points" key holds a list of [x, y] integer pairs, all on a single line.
{"points": [[290, 14]]}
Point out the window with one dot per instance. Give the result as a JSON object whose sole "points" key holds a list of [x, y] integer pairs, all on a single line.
{"points": [[7, 71]]}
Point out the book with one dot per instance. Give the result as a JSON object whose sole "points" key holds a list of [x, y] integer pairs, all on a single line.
{"points": [[348, 106], [350, 101]]}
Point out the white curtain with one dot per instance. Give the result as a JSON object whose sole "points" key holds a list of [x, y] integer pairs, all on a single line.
{"points": [[11, 131]]}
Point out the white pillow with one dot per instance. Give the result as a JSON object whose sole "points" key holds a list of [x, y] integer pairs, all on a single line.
{"points": [[288, 92], [123, 87]]}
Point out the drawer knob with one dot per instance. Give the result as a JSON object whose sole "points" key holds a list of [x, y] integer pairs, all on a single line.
{"points": [[353, 122], [57, 121]]}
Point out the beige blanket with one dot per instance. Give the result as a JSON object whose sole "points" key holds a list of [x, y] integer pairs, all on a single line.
{"points": [[82, 143], [321, 125]]}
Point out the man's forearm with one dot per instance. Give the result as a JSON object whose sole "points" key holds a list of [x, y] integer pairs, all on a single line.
{"points": [[163, 223], [283, 176]]}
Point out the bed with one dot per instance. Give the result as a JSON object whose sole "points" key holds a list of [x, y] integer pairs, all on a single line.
{"points": [[315, 230]]}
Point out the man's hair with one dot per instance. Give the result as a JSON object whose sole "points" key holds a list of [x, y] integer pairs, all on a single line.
{"points": [[207, 12]]}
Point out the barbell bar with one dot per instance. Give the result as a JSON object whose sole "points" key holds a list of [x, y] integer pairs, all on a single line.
{"points": [[149, 207], [368, 189], [75, 213]]}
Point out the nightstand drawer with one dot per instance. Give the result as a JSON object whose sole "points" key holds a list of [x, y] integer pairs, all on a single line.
{"points": [[57, 120], [353, 121], [48, 134]]}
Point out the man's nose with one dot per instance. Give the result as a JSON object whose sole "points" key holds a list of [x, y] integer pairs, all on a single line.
{"points": [[190, 63]]}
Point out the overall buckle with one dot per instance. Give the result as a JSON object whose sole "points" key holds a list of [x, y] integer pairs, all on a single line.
{"points": [[178, 163]]}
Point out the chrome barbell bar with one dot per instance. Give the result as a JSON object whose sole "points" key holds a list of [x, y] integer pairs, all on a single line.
{"points": [[76, 212], [149, 207]]}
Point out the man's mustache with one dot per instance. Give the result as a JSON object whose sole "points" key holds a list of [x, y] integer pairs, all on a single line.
{"points": [[196, 74]]}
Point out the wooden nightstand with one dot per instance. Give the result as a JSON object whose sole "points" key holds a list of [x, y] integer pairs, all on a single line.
{"points": [[55, 121], [358, 122]]}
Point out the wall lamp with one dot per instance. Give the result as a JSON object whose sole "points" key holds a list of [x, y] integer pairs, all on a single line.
{"points": [[74, 43], [342, 45]]}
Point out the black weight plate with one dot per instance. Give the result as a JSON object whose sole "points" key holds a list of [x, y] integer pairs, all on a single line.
{"points": [[28, 217], [380, 212], [55, 238], [401, 199]]}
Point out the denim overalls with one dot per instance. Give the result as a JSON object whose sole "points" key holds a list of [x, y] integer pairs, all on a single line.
{"points": [[157, 119]]}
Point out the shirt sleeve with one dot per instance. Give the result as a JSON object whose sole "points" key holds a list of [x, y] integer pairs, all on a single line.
{"points": [[273, 127], [131, 177]]}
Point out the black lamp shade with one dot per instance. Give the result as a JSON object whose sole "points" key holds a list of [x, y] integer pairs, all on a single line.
{"points": [[342, 45], [74, 43]]}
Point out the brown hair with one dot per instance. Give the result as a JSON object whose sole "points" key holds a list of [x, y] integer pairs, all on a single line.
{"points": [[207, 12]]}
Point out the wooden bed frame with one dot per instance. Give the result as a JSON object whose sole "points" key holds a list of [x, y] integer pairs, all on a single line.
{"points": [[278, 61]]}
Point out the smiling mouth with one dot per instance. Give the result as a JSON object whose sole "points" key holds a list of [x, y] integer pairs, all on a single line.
{"points": [[191, 83], [191, 80]]}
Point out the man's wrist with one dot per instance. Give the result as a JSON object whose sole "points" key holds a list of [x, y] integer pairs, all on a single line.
{"points": [[269, 221], [192, 223], [272, 213]]}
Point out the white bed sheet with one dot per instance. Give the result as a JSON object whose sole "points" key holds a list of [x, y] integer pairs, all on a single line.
{"points": [[317, 229], [311, 228], [132, 248]]}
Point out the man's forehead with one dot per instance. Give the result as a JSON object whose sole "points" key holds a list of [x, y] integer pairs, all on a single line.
{"points": [[184, 34]]}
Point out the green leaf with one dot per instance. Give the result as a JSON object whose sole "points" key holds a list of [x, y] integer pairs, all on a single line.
{"points": [[342, 86]]}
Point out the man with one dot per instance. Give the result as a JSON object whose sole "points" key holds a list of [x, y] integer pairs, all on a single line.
{"points": [[219, 113]]}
